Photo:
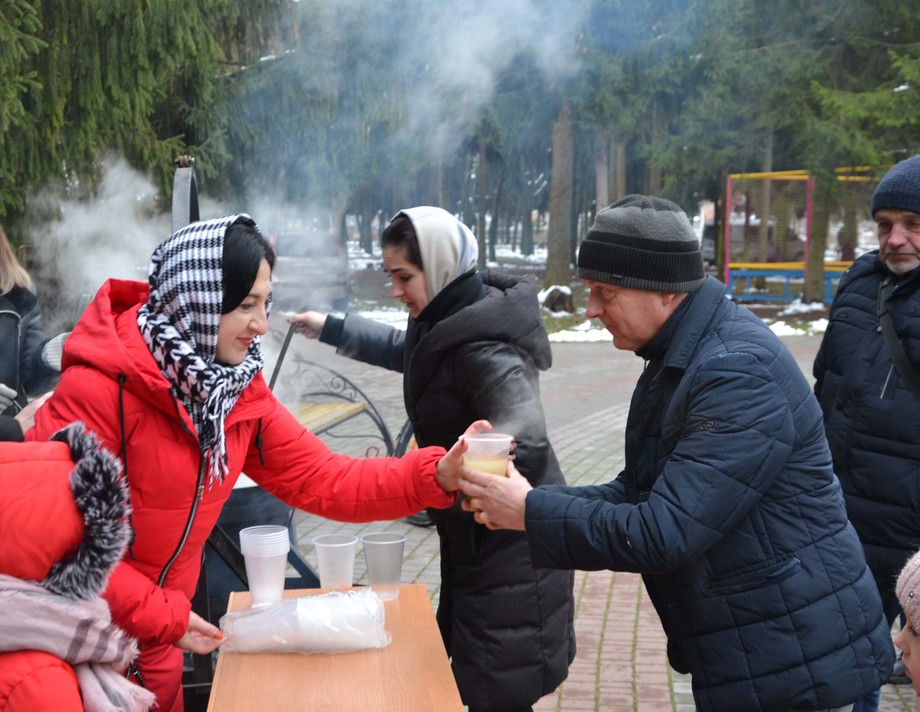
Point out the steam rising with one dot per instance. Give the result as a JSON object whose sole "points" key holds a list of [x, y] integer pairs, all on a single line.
{"points": [[445, 56], [88, 242]]}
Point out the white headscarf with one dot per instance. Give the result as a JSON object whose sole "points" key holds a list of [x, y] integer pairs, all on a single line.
{"points": [[448, 248]]}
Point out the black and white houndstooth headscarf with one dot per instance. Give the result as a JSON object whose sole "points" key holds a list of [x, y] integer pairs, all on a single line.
{"points": [[180, 323]]}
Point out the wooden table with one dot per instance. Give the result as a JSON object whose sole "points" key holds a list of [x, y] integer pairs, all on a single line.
{"points": [[411, 673]]}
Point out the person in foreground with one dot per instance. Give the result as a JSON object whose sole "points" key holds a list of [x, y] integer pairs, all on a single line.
{"points": [[728, 504], [169, 376], [64, 525], [907, 640], [871, 411], [473, 349]]}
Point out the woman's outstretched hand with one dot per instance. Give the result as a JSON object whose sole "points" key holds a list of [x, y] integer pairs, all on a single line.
{"points": [[448, 473], [308, 323], [201, 637]]}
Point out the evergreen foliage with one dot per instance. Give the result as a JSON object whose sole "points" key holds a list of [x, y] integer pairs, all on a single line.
{"points": [[361, 108]]}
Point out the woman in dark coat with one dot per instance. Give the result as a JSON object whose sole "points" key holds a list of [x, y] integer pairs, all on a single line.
{"points": [[473, 349], [29, 361]]}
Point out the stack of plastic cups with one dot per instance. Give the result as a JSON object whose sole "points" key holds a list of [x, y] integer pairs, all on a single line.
{"points": [[265, 550]]}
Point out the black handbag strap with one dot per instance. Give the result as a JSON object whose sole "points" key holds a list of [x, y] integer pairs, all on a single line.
{"points": [[892, 342]]}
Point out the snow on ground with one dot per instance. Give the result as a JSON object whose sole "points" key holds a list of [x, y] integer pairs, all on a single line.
{"points": [[805, 318], [796, 318]]}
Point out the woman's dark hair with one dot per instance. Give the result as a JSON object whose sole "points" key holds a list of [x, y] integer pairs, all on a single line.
{"points": [[244, 250], [400, 235]]}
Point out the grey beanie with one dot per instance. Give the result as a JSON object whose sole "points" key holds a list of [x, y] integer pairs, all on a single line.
{"points": [[900, 187], [642, 242]]}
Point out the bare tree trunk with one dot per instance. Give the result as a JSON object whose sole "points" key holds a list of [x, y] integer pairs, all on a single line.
{"points": [[465, 206], [620, 183], [558, 266], [654, 167], [442, 192], [849, 232], [781, 230], [764, 229], [496, 202], [601, 171], [481, 174], [527, 230], [817, 242]]}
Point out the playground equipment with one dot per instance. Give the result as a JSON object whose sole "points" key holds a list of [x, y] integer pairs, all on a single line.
{"points": [[768, 231]]}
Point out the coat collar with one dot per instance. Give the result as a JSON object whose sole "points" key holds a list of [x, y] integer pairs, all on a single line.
{"points": [[692, 322]]}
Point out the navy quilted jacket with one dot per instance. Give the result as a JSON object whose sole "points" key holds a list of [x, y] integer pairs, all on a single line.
{"points": [[730, 509], [871, 416]]}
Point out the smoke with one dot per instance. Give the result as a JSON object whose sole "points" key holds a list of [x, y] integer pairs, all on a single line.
{"points": [[446, 57], [440, 61], [87, 242]]}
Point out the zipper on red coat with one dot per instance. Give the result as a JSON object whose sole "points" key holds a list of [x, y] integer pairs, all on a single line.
{"points": [[199, 493]]}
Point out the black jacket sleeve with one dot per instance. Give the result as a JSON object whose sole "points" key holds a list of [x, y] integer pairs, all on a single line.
{"points": [[365, 340], [10, 430]]}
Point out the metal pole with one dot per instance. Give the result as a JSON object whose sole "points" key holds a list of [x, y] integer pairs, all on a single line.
{"points": [[284, 348]]}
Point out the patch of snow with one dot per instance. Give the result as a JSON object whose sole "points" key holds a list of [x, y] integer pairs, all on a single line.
{"points": [[781, 328]]}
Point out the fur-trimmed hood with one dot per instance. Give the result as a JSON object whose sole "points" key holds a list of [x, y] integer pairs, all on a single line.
{"points": [[63, 512]]}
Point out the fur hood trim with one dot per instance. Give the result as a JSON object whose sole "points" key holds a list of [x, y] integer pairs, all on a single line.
{"points": [[102, 498]]}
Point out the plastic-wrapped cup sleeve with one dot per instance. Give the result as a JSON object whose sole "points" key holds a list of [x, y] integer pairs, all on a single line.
{"points": [[337, 622]]}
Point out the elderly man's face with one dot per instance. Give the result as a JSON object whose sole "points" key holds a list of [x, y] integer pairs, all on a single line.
{"points": [[898, 239], [633, 316]]}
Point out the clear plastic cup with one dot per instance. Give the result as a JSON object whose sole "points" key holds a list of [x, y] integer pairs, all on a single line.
{"points": [[488, 452], [335, 555], [265, 550], [383, 553]]}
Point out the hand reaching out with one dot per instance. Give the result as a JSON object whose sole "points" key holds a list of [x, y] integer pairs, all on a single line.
{"points": [[7, 396], [308, 323], [26, 416], [449, 467], [201, 636]]}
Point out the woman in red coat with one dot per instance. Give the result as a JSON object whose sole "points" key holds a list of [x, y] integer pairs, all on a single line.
{"points": [[169, 375], [64, 526]]}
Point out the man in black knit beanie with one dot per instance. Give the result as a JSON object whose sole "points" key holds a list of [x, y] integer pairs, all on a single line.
{"points": [[727, 503]]}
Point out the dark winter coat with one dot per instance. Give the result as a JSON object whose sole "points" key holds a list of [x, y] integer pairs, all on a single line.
{"points": [[476, 352], [730, 509], [871, 416], [112, 383], [22, 337]]}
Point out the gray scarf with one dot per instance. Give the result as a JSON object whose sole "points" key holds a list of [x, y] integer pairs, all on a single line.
{"points": [[80, 633]]}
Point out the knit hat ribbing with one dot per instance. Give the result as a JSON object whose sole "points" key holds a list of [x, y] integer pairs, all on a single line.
{"points": [[642, 242], [899, 189], [908, 590]]}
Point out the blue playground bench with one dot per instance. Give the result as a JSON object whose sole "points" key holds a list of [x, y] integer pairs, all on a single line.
{"points": [[742, 273]]}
